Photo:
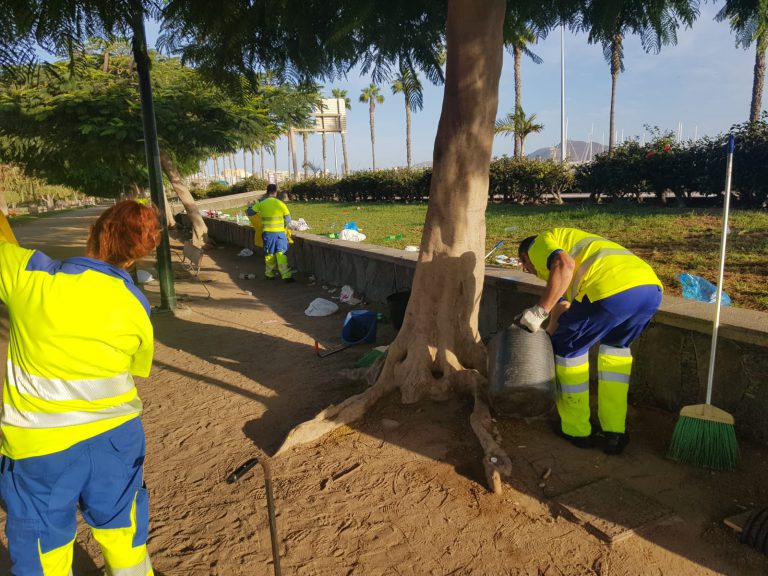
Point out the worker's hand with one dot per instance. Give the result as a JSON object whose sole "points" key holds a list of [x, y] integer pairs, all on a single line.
{"points": [[533, 318]]}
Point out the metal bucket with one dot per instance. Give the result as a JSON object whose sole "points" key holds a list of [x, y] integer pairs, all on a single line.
{"points": [[521, 373]]}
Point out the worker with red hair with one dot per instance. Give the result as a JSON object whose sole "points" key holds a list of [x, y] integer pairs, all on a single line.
{"points": [[72, 435]]}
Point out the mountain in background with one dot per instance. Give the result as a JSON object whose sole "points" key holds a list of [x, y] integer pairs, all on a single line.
{"points": [[578, 151]]}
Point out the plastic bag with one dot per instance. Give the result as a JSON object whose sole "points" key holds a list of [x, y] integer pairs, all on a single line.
{"points": [[143, 276], [299, 225], [351, 235], [701, 289], [321, 307], [347, 295]]}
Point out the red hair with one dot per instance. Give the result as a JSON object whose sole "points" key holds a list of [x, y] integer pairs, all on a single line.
{"points": [[124, 233]]}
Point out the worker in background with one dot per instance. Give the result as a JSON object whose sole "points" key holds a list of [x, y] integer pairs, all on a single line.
{"points": [[72, 435], [597, 291], [275, 219]]}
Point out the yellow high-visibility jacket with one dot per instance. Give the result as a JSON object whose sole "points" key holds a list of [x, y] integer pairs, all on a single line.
{"points": [[79, 332], [274, 214], [602, 268]]}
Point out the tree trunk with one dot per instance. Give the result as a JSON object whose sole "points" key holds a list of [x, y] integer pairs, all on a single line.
{"points": [[199, 229], [292, 144], [518, 103], [305, 138], [253, 162], [438, 351], [344, 152], [215, 166], [274, 158], [4, 169], [759, 78], [408, 132], [325, 154], [245, 172], [522, 143], [615, 69], [261, 160], [169, 212], [371, 107], [105, 61]]}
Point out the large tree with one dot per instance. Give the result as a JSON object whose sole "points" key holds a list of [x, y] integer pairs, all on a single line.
{"points": [[408, 84], [749, 22], [86, 131], [342, 94], [608, 22], [438, 352], [371, 95], [518, 36]]}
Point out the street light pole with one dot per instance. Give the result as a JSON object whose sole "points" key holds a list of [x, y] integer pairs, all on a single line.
{"points": [[563, 143], [152, 149]]}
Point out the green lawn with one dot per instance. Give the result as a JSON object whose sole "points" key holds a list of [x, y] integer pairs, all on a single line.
{"points": [[672, 240]]}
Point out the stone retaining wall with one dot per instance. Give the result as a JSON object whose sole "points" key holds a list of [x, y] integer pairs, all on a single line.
{"points": [[671, 358]]}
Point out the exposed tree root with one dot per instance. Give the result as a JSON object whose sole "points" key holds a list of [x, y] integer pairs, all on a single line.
{"points": [[496, 462]]}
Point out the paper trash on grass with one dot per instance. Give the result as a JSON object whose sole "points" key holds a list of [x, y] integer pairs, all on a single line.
{"points": [[507, 260], [321, 307], [245, 252], [411, 248]]}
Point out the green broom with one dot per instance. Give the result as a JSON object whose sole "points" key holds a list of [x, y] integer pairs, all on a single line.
{"points": [[705, 435]]}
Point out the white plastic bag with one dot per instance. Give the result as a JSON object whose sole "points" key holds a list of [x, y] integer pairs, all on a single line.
{"points": [[351, 235], [347, 295], [245, 252], [321, 307], [143, 276], [299, 225]]}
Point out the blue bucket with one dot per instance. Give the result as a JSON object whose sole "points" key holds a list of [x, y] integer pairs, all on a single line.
{"points": [[359, 327]]}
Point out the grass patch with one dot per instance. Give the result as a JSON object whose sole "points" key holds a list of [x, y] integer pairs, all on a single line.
{"points": [[672, 240]]}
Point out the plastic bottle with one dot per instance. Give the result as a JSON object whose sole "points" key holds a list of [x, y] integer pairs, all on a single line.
{"points": [[393, 237], [245, 276]]}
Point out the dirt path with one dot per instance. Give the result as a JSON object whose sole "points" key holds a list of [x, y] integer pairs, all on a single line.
{"points": [[239, 370]]}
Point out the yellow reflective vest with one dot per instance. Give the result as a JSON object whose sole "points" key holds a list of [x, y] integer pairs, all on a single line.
{"points": [[5, 230], [79, 332], [273, 213], [602, 268]]}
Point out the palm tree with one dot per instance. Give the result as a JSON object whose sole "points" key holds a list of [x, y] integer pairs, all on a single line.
{"points": [[749, 21], [339, 93], [371, 96], [609, 22], [519, 125], [407, 83], [304, 137], [517, 36]]}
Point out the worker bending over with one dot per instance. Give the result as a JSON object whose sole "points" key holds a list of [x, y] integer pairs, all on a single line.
{"points": [[71, 429], [275, 219], [597, 291]]}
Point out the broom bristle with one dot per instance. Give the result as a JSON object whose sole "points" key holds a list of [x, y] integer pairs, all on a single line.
{"points": [[705, 443]]}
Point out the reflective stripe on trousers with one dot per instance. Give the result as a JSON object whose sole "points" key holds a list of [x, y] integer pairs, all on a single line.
{"points": [[614, 367], [104, 476], [279, 261], [573, 394]]}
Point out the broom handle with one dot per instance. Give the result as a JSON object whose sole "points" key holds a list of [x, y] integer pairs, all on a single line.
{"points": [[723, 240]]}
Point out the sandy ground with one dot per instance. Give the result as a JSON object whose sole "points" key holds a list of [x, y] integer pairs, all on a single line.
{"points": [[400, 493]]}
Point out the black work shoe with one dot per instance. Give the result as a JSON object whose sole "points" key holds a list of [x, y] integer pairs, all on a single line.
{"points": [[578, 441], [615, 442], [288, 280]]}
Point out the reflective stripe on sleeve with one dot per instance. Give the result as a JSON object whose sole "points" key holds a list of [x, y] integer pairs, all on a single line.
{"points": [[57, 389], [25, 419]]}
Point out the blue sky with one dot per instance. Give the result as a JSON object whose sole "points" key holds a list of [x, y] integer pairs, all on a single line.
{"points": [[704, 81]]}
